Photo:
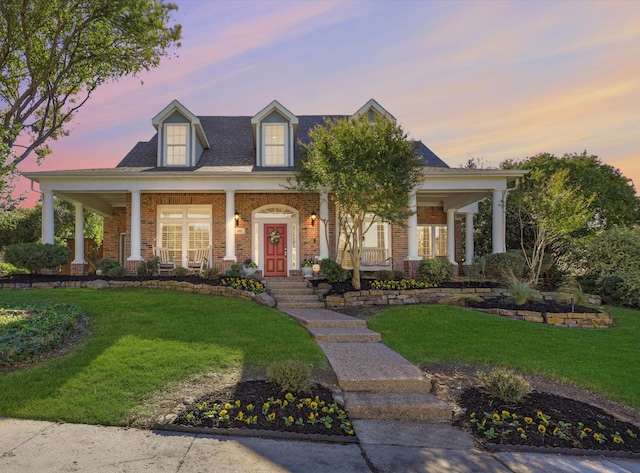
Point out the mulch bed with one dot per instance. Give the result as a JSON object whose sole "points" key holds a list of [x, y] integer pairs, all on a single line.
{"points": [[545, 420], [534, 306], [288, 414]]}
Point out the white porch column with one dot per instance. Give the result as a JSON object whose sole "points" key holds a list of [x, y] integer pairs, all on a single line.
{"points": [[135, 227], [498, 222], [47, 217], [79, 246], [451, 235], [468, 258], [412, 229], [230, 227], [324, 229]]}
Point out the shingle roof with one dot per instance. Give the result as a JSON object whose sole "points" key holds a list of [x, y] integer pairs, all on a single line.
{"points": [[232, 144]]}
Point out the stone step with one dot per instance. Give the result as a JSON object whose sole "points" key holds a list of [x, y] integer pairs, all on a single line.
{"points": [[285, 291], [344, 335], [323, 318], [405, 406], [297, 298], [373, 367], [283, 306], [286, 284]]}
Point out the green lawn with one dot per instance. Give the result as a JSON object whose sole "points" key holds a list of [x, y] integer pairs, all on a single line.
{"points": [[605, 361], [140, 341]]}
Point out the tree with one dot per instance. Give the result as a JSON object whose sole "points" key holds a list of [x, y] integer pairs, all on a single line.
{"points": [[552, 210], [54, 54], [22, 225], [368, 167], [612, 200]]}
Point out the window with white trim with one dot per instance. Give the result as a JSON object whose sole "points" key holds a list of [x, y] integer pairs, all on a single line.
{"points": [[432, 241], [176, 144], [182, 229], [275, 148]]}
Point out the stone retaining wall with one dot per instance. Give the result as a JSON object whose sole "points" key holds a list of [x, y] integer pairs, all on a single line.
{"points": [[184, 286], [596, 319]]}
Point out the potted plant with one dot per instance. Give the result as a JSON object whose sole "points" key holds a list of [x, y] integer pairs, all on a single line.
{"points": [[249, 267], [307, 267]]}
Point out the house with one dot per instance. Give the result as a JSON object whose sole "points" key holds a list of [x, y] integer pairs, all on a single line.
{"points": [[220, 182]]}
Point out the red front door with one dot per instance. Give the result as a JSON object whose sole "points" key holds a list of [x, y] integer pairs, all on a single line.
{"points": [[275, 249]]}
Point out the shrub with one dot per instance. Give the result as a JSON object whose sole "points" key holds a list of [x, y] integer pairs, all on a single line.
{"points": [[290, 375], [436, 271], [35, 256], [106, 264], [7, 269], [180, 271], [150, 267], [399, 285], [503, 267], [505, 385], [210, 273], [235, 271], [244, 284], [116, 272], [385, 275], [333, 271], [570, 290], [475, 270], [521, 292], [612, 262], [461, 300]]}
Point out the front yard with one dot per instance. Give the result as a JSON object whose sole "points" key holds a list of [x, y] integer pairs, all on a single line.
{"points": [[141, 340]]}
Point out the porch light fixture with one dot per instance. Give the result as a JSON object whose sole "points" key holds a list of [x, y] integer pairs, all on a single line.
{"points": [[313, 218], [236, 217]]}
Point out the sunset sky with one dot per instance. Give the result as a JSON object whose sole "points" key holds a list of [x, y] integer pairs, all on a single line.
{"points": [[484, 80]]}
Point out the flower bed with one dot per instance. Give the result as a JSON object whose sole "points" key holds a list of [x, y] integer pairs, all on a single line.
{"points": [[545, 420]]}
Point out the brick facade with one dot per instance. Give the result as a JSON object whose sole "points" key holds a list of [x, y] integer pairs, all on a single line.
{"points": [[246, 203]]}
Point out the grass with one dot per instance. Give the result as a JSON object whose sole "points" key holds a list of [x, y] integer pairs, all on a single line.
{"points": [[140, 341], [604, 361]]}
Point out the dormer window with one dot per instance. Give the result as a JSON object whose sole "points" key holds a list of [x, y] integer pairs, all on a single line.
{"points": [[176, 145], [275, 152], [274, 129], [181, 138]]}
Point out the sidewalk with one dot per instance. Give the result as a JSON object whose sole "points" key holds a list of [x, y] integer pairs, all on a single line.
{"points": [[28, 446]]}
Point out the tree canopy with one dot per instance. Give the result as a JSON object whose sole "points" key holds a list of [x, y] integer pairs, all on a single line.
{"points": [[369, 168], [54, 54], [609, 199]]}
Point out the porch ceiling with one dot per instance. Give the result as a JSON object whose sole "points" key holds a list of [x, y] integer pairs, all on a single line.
{"points": [[450, 199], [100, 202]]}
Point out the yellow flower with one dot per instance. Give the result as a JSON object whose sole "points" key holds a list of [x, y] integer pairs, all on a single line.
{"points": [[223, 412], [240, 416], [597, 437], [289, 397], [311, 415], [250, 407], [506, 413], [523, 436], [272, 417], [542, 429], [617, 439], [238, 403], [496, 416], [528, 420], [290, 419], [228, 406]]}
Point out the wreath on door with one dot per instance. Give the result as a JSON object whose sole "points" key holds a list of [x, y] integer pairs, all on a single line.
{"points": [[274, 237]]}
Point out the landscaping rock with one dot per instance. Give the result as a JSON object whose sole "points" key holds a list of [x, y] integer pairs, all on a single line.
{"points": [[96, 284], [265, 299]]}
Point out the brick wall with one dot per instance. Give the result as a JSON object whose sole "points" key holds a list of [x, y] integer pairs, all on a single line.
{"points": [[245, 204]]}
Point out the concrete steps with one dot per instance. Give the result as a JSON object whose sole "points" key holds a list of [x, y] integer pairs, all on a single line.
{"points": [[293, 294], [377, 382]]}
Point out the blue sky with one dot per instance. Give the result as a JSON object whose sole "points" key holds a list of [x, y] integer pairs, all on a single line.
{"points": [[484, 80]]}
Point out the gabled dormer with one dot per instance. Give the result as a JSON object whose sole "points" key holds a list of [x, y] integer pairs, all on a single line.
{"points": [[371, 110], [181, 138], [274, 129]]}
